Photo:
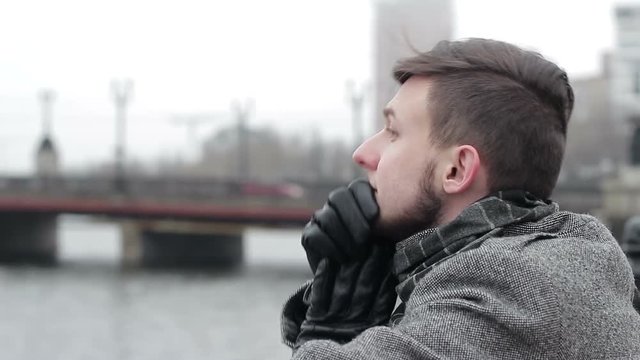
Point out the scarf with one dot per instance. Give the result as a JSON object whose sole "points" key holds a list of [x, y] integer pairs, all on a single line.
{"points": [[418, 254]]}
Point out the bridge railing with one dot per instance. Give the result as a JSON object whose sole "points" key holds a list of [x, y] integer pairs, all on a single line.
{"points": [[170, 189]]}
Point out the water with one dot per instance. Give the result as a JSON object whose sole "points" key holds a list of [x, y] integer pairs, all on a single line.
{"points": [[89, 308]]}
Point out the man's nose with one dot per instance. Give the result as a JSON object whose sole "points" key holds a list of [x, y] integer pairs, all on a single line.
{"points": [[367, 155]]}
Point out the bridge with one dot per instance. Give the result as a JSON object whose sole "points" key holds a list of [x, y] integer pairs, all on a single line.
{"points": [[177, 198], [178, 221], [163, 220]]}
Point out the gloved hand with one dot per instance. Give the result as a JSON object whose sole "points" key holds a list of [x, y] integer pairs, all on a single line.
{"points": [[353, 287], [341, 229], [339, 233], [346, 299]]}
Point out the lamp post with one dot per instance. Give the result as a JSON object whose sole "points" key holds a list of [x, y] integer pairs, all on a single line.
{"points": [[47, 96], [47, 157], [122, 92], [242, 112], [355, 97]]}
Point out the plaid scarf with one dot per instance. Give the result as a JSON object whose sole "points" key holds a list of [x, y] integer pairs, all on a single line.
{"points": [[418, 254]]}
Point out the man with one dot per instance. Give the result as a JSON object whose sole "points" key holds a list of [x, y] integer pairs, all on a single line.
{"points": [[484, 265]]}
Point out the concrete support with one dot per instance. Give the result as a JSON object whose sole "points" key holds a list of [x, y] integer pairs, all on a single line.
{"points": [[28, 238], [181, 244]]}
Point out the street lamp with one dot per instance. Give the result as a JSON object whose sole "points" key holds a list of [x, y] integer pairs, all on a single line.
{"points": [[355, 97], [122, 92]]}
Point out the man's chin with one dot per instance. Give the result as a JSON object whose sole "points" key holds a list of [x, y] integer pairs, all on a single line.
{"points": [[401, 228]]}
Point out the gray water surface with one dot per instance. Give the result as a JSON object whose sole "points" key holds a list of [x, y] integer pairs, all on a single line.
{"points": [[90, 308]]}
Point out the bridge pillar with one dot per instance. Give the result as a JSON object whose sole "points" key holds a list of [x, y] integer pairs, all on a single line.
{"points": [[28, 238], [161, 243]]}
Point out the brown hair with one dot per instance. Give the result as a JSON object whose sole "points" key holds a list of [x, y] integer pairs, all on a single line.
{"points": [[511, 104]]}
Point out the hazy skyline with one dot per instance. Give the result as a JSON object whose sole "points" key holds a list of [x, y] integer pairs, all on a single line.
{"points": [[186, 57]]}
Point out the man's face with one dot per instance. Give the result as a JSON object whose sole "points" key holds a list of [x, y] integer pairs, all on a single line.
{"points": [[402, 164]]}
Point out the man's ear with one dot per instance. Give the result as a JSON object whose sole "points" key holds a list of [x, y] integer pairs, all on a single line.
{"points": [[462, 170]]}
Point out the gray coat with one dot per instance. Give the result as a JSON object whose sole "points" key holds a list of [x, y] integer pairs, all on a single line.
{"points": [[558, 288]]}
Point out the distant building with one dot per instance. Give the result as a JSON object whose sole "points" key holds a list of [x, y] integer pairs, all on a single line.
{"points": [[625, 75], [47, 162], [606, 116], [399, 27], [596, 143], [275, 157], [620, 192]]}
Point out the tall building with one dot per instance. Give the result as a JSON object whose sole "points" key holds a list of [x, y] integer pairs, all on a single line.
{"points": [[595, 147], [625, 74], [606, 115], [621, 192], [400, 26]]}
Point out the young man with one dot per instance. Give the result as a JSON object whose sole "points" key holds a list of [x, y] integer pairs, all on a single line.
{"points": [[455, 220]]}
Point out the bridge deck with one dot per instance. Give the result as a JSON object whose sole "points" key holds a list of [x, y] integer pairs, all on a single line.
{"points": [[189, 199], [149, 209]]}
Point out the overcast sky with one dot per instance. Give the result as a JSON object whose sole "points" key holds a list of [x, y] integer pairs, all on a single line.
{"points": [[292, 56]]}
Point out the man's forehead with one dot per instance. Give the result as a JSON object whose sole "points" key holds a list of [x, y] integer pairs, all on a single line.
{"points": [[412, 94], [415, 85]]}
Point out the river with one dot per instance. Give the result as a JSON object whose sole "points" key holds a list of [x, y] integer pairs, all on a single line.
{"points": [[88, 307]]}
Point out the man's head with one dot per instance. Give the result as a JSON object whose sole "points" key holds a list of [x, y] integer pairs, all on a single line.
{"points": [[470, 118]]}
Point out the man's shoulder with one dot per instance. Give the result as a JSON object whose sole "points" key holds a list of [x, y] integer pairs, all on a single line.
{"points": [[561, 243], [558, 230], [566, 252], [564, 278], [557, 249]]}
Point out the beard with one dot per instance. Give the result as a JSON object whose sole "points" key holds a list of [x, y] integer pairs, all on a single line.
{"points": [[424, 214]]}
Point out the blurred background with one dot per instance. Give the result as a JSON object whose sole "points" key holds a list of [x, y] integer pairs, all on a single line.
{"points": [[158, 159]]}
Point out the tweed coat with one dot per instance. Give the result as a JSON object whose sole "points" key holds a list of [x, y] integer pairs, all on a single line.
{"points": [[556, 288]]}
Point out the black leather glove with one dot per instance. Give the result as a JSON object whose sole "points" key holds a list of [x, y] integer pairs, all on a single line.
{"points": [[293, 314], [341, 229], [353, 287], [346, 299]]}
